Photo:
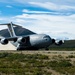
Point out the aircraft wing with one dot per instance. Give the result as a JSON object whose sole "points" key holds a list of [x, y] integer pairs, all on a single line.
{"points": [[19, 39]]}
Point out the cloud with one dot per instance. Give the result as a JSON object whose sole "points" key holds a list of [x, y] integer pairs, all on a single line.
{"points": [[57, 23], [26, 1], [54, 25], [1, 19], [54, 6], [35, 12], [58, 2], [60, 7], [64, 2], [9, 6], [26, 11]]}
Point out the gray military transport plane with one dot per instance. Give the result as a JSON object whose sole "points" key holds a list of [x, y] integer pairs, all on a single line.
{"points": [[25, 39]]}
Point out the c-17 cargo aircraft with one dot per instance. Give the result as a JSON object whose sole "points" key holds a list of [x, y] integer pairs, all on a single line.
{"points": [[25, 39]]}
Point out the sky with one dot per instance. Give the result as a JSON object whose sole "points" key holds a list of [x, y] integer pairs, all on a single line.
{"points": [[53, 17]]}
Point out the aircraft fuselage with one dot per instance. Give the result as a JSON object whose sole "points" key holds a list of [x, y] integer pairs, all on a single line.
{"points": [[35, 41]]}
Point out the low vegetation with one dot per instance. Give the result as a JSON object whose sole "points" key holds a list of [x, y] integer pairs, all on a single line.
{"points": [[36, 64]]}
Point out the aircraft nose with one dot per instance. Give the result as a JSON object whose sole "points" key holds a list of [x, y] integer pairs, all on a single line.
{"points": [[47, 38]]}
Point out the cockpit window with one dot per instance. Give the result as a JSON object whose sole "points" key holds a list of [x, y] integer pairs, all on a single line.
{"points": [[46, 37]]}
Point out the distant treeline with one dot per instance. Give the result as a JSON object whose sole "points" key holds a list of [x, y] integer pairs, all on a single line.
{"points": [[68, 45]]}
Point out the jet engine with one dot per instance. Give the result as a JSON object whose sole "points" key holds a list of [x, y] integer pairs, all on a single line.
{"points": [[21, 40], [59, 42], [53, 41], [4, 41]]}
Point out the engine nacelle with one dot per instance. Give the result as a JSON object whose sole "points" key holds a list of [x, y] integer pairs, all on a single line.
{"points": [[21, 40], [4, 41], [59, 42], [53, 41]]}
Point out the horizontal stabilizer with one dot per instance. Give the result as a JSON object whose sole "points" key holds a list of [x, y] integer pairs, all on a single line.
{"points": [[10, 24]]}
